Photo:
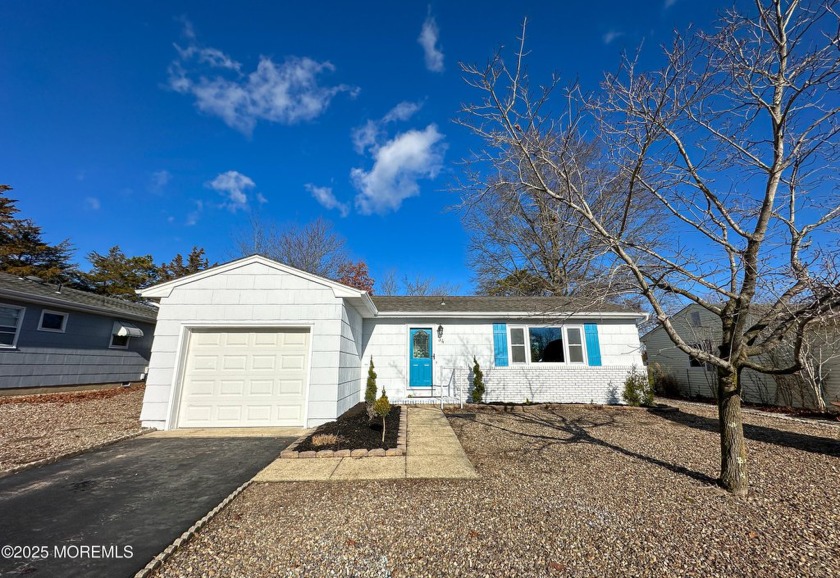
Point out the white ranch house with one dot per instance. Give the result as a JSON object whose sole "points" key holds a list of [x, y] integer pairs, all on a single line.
{"points": [[258, 343]]}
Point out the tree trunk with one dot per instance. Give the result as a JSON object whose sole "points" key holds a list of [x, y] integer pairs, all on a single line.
{"points": [[733, 450], [383, 429]]}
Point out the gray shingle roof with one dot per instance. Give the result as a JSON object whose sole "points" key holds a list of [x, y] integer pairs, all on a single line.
{"points": [[47, 294], [531, 305]]}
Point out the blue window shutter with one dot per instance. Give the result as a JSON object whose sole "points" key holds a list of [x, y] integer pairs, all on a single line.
{"points": [[593, 348], [500, 344]]}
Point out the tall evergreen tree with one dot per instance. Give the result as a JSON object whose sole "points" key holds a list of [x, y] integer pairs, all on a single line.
{"points": [[176, 268], [116, 275], [23, 252]]}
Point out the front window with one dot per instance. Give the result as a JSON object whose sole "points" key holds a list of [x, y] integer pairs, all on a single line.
{"points": [[10, 318], [561, 344]]}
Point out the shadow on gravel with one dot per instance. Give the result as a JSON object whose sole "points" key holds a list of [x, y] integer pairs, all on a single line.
{"points": [[578, 432], [804, 442]]}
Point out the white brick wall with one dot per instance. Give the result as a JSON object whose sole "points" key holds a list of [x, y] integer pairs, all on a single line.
{"points": [[540, 384]]}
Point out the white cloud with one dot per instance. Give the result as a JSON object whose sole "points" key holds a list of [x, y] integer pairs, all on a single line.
{"points": [[428, 39], [397, 166], [92, 203], [288, 92], [326, 197], [159, 180], [369, 134], [195, 214], [233, 185], [669, 3], [612, 35]]}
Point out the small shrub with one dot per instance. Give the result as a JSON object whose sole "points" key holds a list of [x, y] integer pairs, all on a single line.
{"points": [[478, 382], [663, 382], [382, 407], [370, 391], [637, 389]]}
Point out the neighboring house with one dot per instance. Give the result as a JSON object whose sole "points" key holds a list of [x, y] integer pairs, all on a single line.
{"points": [[699, 327], [257, 343], [52, 335]]}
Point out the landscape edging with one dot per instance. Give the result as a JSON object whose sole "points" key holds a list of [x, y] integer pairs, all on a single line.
{"points": [[291, 453]]}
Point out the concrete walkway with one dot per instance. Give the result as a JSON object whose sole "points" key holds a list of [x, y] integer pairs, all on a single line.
{"points": [[432, 451]]}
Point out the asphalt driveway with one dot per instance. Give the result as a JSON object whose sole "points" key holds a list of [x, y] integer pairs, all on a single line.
{"points": [[110, 511]]}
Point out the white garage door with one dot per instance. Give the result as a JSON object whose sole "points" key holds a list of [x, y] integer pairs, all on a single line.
{"points": [[242, 378]]}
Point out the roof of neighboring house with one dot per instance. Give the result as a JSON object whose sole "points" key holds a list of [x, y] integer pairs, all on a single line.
{"points": [[532, 306], [50, 295]]}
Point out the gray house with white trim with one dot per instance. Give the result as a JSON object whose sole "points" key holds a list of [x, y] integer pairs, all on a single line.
{"points": [[52, 335], [255, 342]]}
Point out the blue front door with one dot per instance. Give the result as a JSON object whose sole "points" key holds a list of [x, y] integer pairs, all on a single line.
{"points": [[420, 356]]}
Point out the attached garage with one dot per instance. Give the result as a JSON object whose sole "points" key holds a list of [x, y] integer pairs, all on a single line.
{"points": [[253, 343], [240, 377]]}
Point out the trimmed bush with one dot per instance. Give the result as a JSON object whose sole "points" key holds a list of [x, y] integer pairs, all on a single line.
{"points": [[478, 382], [637, 389], [382, 407], [370, 391]]}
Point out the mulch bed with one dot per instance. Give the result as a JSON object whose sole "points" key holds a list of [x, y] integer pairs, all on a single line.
{"points": [[354, 430]]}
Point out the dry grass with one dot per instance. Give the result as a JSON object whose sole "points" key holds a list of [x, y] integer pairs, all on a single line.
{"points": [[325, 439]]}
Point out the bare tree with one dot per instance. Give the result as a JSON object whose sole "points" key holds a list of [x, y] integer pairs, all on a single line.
{"points": [[523, 242], [313, 247], [736, 139], [417, 286]]}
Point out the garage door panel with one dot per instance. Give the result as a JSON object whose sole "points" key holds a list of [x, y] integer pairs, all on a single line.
{"points": [[205, 338], [263, 362], [295, 338], [240, 378], [236, 338], [234, 362], [261, 387]]}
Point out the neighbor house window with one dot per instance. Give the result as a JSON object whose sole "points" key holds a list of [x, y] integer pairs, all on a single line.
{"points": [[120, 341], [10, 320], [547, 344], [52, 321]]}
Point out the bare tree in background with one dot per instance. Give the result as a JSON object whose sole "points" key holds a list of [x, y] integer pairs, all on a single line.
{"points": [[736, 139], [419, 286], [523, 242], [313, 247]]}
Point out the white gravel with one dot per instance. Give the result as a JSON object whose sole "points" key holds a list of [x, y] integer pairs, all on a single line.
{"points": [[565, 491], [44, 426]]}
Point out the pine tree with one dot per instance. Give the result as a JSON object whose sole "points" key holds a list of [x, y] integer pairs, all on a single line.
{"points": [[24, 253], [478, 382], [175, 269], [370, 390], [116, 275]]}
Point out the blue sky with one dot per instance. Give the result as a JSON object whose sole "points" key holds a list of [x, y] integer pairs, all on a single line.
{"points": [[162, 125]]}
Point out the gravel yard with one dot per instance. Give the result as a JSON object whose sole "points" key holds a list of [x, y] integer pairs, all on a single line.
{"points": [[564, 491], [42, 426]]}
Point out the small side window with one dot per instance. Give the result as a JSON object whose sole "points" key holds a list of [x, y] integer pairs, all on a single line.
{"points": [[517, 345], [695, 319], [54, 321]]}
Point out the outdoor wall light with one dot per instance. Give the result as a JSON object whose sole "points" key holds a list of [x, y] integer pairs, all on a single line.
{"points": [[440, 331]]}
